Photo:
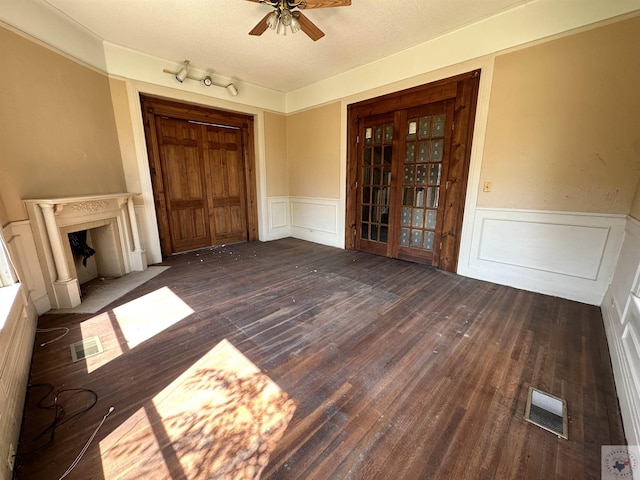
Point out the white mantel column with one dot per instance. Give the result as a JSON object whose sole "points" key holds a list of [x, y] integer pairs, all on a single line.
{"points": [[138, 256], [66, 288]]}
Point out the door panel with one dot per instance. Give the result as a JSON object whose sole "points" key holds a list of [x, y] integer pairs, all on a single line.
{"points": [[374, 185], [425, 161], [184, 181], [224, 148]]}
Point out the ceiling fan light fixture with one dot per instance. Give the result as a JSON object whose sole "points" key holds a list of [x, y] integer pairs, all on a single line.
{"points": [[282, 28], [295, 25], [273, 20], [286, 17], [182, 74]]}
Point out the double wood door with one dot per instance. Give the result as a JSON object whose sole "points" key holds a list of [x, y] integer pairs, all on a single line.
{"points": [[400, 182], [201, 177], [407, 171]]}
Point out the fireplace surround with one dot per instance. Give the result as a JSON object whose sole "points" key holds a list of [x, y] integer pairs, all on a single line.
{"points": [[114, 233]]}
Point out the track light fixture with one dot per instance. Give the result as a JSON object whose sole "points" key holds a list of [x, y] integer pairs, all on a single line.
{"points": [[183, 74]]}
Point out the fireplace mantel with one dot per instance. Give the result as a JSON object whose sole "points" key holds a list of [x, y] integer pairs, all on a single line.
{"points": [[52, 219]]}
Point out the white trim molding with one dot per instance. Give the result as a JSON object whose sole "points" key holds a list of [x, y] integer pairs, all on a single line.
{"points": [[19, 238], [316, 220], [569, 255], [621, 313]]}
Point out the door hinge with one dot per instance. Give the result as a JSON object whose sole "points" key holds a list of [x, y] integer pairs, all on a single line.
{"points": [[446, 186], [356, 184], [357, 139]]}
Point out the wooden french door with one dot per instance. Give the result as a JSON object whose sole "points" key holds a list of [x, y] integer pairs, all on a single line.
{"points": [[407, 171], [375, 198], [202, 176], [402, 219]]}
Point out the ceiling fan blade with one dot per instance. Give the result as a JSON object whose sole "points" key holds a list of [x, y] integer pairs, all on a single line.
{"points": [[327, 3], [261, 27], [308, 27]]}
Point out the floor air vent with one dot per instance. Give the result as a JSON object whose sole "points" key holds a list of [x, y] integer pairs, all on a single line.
{"points": [[547, 411], [86, 348]]}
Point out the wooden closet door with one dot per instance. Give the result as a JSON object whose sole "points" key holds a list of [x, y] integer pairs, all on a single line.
{"points": [[184, 182], [202, 168]]}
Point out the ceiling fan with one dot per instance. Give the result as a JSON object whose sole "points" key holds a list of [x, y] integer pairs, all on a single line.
{"points": [[286, 14]]}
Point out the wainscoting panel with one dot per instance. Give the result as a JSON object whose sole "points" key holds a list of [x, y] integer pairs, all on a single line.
{"points": [[279, 218], [315, 220], [561, 249], [621, 313], [17, 332], [556, 253]]}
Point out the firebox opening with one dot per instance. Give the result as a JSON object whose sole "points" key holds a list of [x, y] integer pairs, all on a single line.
{"points": [[107, 260]]}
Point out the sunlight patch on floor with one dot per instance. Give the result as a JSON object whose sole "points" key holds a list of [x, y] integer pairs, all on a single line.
{"points": [[220, 419], [101, 326], [129, 325], [133, 441], [145, 317]]}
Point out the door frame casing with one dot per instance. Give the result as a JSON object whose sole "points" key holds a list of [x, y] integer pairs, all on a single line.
{"points": [[158, 106], [463, 88]]}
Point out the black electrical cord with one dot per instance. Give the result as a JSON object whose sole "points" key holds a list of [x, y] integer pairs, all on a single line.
{"points": [[60, 416]]}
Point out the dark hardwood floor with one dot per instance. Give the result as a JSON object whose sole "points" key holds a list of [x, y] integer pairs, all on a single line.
{"points": [[308, 362]]}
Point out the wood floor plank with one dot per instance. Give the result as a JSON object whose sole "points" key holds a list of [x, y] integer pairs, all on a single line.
{"points": [[302, 361]]}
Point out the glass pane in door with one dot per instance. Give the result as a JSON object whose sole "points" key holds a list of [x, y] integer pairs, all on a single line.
{"points": [[375, 180], [424, 142]]}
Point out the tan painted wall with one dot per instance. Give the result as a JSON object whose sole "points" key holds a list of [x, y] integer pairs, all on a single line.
{"points": [[313, 151], [562, 130], [57, 127], [275, 133], [4, 218]]}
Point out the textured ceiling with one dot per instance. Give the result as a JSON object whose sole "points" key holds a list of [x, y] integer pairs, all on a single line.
{"points": [[213, 34]]}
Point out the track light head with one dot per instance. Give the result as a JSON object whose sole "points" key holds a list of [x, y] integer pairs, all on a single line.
{"points": [[231, 88], [207, 81], [182, 74]]}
